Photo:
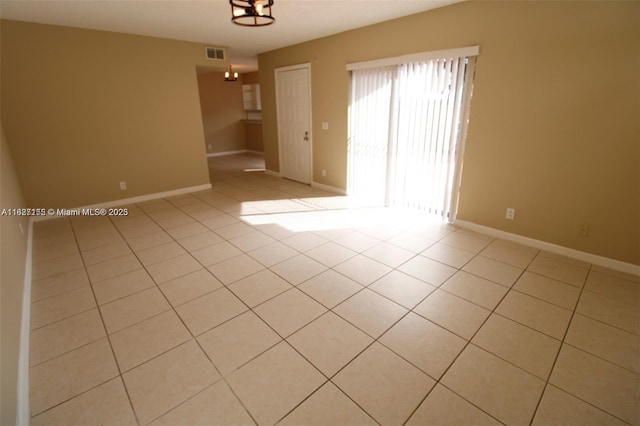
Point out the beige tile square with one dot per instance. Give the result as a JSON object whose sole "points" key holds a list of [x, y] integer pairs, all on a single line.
{"points": [[200, 240], [63, 336], [171, 218], [330, 288], [389, 254], [47, 311], [453, 313], [330, 254], [552, 291], [113, 268], [237, 341], [565, 259], [558, 270], [210, 310], [528, 349], [259, 287], [329, 343], [607, 342], [104, 253], [236, 268], [448, 255], [467, 241], [57, 266], [370, 312], [502, 390], [384, 385], [147, 339], [137, 226], [443, 407], [605, 385], [610, 311], [163, 383], [274, 383], [157, 205], [402, 288], [133, 309], [251, 241], [272, 254], [219, 221], [106, 404], [146, 241], [187, 230], [411, 242], [475, 289], [216, 253], [427, 270], [559, 407], [190, 286], [61, 378], [535, 313], [427, 346], [48, 248], [314, 410], [492, 270], [614, 288], [304, 241], [121, 286], [357, 241], [362, 269], [289, 311], [159, 253], [618, 274], [173, 268], [298, 269], [234, 230], [510, 253], [58, 284], [214, 405]]}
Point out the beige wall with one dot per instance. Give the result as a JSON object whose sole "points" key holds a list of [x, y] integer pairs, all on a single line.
{"points": [[222, 112], [554, 117], [12, 269], [84, 110]]}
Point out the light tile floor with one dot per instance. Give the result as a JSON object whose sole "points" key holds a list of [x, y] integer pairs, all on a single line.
{"points": [[266, 301]]}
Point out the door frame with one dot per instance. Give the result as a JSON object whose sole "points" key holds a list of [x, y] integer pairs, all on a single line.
{"points": [[277, 72]]}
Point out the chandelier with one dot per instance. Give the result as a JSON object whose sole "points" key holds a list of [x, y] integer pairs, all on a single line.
{"points": [[251, 13], [229, 75]]}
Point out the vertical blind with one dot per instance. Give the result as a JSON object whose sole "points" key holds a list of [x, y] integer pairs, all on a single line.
{"points": [[406, 130]]}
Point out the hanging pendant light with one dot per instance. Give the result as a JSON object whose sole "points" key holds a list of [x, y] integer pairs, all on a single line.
{"points": [[229, 75], [251, 13]]}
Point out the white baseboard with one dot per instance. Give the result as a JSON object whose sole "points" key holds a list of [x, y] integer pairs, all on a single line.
{"points": [[553, 248], [132, 200], [328, 188], [222, 154], [250, 151], [23, 412], [272, 173]]}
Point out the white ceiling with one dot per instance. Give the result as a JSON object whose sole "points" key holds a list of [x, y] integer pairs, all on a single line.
{"points": [[208, 21]]}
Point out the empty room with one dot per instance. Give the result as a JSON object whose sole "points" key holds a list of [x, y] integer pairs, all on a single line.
{"points": [[320, 212]]}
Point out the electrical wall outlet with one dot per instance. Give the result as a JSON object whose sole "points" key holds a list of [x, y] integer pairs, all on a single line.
{"points": [[123, 185], [325, 125], [583, 230], [511, 213], [324, 172], [209, 146]]}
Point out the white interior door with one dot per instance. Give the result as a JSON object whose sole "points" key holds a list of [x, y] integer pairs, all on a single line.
{"points": [[293, 99]]}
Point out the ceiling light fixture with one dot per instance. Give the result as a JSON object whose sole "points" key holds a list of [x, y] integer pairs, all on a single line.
{"points": [[251, 13], [229, 75]]}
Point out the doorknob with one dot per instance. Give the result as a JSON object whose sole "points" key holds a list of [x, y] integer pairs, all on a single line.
{"points": [[306, 136]]}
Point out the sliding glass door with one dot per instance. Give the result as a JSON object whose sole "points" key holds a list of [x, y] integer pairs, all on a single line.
{"points": [[407, 124]]}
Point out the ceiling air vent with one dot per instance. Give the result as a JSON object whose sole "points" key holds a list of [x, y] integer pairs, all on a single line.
{"points": [[214, 53]]}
